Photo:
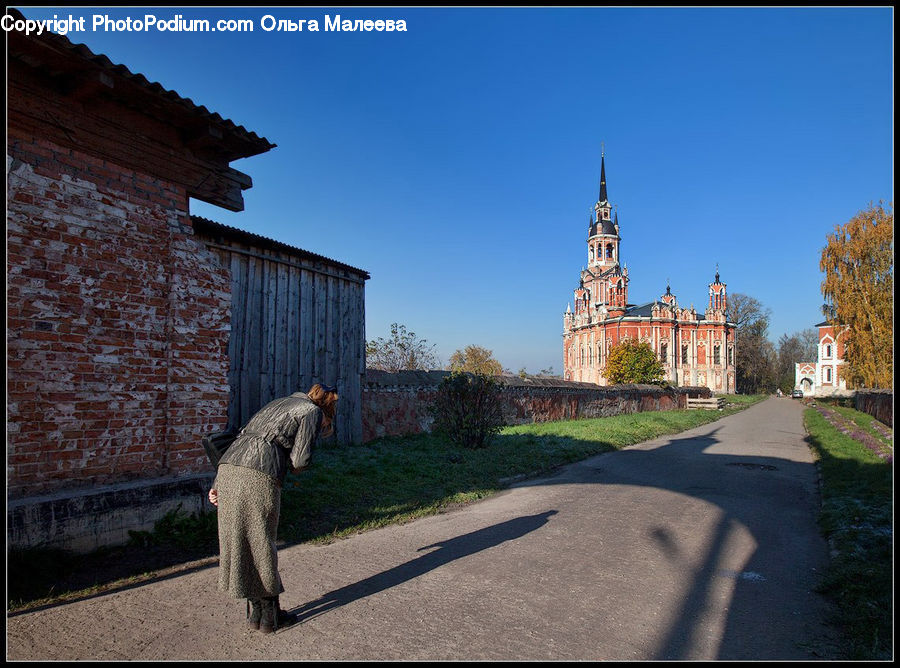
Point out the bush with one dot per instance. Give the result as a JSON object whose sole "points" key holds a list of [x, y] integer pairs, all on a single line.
{"points": [[467, 409], [633, 361]]}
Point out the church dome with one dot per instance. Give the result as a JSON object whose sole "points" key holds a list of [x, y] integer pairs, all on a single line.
{"points": [[603, 227]]}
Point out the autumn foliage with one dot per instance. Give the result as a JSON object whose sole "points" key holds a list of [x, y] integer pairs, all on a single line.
{"points": [[633, 361], [858, 262], [475, 359]]}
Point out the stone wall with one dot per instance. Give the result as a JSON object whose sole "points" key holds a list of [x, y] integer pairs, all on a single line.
{"points": [[398, 403], [877, 403]]}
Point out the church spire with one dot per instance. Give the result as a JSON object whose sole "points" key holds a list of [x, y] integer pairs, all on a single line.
{"points": [[603, 197]]}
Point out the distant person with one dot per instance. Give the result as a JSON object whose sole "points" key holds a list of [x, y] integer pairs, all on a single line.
{"points": [[247, 493]]}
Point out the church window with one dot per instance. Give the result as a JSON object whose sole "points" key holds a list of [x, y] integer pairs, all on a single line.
{"points": [[716, 359], [609, 251], [731, 356], [828, 374], [663, 350], [828, 350], [684, 354]]}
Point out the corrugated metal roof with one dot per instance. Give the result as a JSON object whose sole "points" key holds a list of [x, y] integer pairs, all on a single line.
{"points": [[212, 228]]}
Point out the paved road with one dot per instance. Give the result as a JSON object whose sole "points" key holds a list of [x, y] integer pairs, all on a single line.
{"points": [[698, 546]]}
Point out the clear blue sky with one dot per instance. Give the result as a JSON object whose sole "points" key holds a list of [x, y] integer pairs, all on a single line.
{"points": [[456, 162]]}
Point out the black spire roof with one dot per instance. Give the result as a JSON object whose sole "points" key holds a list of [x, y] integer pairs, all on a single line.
{"points": [[603, 197]]}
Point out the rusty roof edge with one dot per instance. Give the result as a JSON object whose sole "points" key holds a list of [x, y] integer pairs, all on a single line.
{"points": [[102, 62], [213, 227]]}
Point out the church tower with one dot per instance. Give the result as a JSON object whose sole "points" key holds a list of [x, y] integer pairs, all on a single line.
{"points": [[718, 300], [603, 232]]}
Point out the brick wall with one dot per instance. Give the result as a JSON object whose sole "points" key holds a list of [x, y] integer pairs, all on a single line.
{"points": [[877, 403], [398, 403], [118, 324]]}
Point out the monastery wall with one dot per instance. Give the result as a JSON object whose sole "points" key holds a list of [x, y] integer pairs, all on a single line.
{"points": [[397, 404]]}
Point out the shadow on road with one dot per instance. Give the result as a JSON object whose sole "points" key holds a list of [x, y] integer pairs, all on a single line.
{"points": [[775, 499], [447, 551]]}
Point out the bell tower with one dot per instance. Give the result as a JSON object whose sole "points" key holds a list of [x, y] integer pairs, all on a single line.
{"points": [[603, 230], [718, 300]]}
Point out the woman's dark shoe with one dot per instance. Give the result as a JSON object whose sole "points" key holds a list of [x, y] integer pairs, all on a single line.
{"points": [[254, 612], [268, 619], [272, 617], [283, 617]]}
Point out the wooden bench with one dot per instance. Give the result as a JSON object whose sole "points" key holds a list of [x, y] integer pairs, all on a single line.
{"points": [[711, 404]]}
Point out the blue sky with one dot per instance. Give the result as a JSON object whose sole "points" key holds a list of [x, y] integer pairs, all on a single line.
{"points": [[457, 162]]}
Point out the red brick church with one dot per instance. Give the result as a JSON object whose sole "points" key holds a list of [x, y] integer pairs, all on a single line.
{"points": [[696, 349]]}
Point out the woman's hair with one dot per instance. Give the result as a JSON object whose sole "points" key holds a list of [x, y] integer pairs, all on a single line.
{"points": [[325, 397]]}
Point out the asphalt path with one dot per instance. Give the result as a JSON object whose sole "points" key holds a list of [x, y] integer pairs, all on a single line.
{"points": [[697, 546]]}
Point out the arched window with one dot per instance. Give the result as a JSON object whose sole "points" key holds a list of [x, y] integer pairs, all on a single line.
{"points": [[827, 374], [663, 350], [684, 354], [716, 357], [609, 251], [828, 350]]}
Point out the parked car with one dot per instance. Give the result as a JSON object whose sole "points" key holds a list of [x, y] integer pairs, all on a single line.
{"points": [[797, 394]]}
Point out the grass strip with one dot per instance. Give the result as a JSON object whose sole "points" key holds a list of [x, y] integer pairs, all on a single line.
{"points": [[857, 519]]}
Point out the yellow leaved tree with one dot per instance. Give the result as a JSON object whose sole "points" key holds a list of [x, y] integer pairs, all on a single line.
{"points": [[475, 359], [632, 361], [858, 262]]}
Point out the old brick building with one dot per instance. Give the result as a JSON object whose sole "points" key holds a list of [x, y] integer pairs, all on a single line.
{"points": [[135, 328], [117, 315], [696, 349]]}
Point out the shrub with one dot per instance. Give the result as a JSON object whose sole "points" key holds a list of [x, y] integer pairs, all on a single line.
{"points": [[633, 361], [467, 409]]}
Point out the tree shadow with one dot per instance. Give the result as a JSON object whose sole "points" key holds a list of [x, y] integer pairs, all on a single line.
{"points": [[789, 557], [447, 551]]}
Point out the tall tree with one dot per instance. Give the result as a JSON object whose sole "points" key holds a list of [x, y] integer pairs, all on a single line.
{"points": [[809, 344], [632, 361], [797, 347], [755, 357], [858, 261], [475, 359], [402, 351]]}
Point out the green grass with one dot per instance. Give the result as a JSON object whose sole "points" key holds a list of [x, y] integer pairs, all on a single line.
{"points": [[857, 518], [349, 489], [392, 480], [864, 421]]}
